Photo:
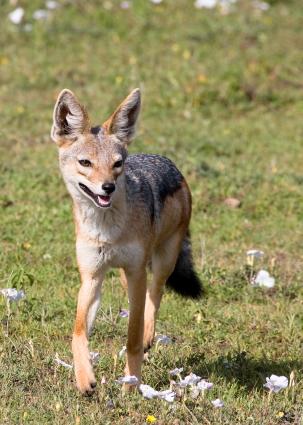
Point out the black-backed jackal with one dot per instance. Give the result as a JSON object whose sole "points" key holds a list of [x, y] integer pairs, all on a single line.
{"points": [[130, 211]]}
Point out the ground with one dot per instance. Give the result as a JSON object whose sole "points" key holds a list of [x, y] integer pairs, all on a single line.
{"points": [[222, 97]]}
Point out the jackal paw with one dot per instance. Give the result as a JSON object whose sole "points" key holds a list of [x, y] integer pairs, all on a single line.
{"points": [[86, 381]]}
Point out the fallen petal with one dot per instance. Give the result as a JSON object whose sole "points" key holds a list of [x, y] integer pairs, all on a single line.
{"points": [[12, 294], [261, 5], [147, 391], [217, 403], [167, 395], [124, 313], [125, 5], [62, 363], [204, 385], [264, 279], [16, 16], [130, 380], [52, 4], [190, 379], [163, 339], [255, 253], [208, 4], [40, 14], [176, 371], [276, 383]]}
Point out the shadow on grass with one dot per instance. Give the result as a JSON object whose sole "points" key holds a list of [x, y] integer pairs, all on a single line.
{"points": [[239, 368]]}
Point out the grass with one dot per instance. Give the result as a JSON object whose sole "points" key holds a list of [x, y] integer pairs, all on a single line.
{"points": [[223, 99]]}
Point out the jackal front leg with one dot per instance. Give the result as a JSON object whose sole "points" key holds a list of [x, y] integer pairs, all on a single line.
{"points": [[88, 302], [136, 282]]}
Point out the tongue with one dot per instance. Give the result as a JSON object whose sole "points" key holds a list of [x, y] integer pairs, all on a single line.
{"points": [[103, 200]]}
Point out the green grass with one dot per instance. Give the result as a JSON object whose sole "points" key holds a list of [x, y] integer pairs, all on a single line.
{"points": [[222, 97]]}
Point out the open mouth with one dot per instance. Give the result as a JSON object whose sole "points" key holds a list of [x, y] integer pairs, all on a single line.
{"points": [[102, 201]]}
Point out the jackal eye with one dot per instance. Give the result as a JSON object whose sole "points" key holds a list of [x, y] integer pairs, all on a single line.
{"points": [[118, 164], [85, 163]]}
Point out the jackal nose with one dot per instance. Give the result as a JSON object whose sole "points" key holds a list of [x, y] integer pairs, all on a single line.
{"points": [[108, 187]]}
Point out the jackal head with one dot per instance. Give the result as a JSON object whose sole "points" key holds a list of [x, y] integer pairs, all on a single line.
{"points": [[92, 159]]}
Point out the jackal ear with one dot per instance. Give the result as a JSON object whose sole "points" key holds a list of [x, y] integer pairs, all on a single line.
{"points": [[70, 119], [122, 123]]}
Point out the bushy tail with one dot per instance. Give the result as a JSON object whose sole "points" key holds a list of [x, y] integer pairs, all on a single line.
{"points": [[184, 279]]}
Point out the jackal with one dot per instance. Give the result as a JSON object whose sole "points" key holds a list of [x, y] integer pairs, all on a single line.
{"points": [[130, 212]]}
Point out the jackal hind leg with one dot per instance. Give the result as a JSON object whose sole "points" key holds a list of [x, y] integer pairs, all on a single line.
{"points": [[136, 284], [163, 263]]}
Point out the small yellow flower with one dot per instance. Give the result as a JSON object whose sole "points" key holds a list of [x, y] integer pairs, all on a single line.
{"points": [[280, 414], [58, 406], [3, 60], [202, 79], [175, 47], [132, 60], [151, 419], [26, 246], [186, 54], [20, 109], [118, 80]]}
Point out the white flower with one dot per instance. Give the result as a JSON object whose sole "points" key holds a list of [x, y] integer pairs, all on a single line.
{"points": [[190, 379], [156, 1], [124, 313], [263, 278], [176, 371], [276, 383], [130, 380], [208, 4], [149, 392], [125, 5], [122, 351], [62, 363], [163, 339], [204, 385], [254, 253], [16, 16], [40, 14], [217, 403], [94, 356], [261, 5], [52, 4], [167, 395], [12, 294]]}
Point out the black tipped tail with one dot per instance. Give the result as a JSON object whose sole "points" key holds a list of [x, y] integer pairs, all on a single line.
{"points": [[184, 279]]}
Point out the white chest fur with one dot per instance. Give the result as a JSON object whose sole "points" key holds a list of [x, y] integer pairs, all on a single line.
{"points": [[101, 242]]}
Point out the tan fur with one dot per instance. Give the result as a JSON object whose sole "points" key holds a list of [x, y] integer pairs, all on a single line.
{"points": [[123, 237]]}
